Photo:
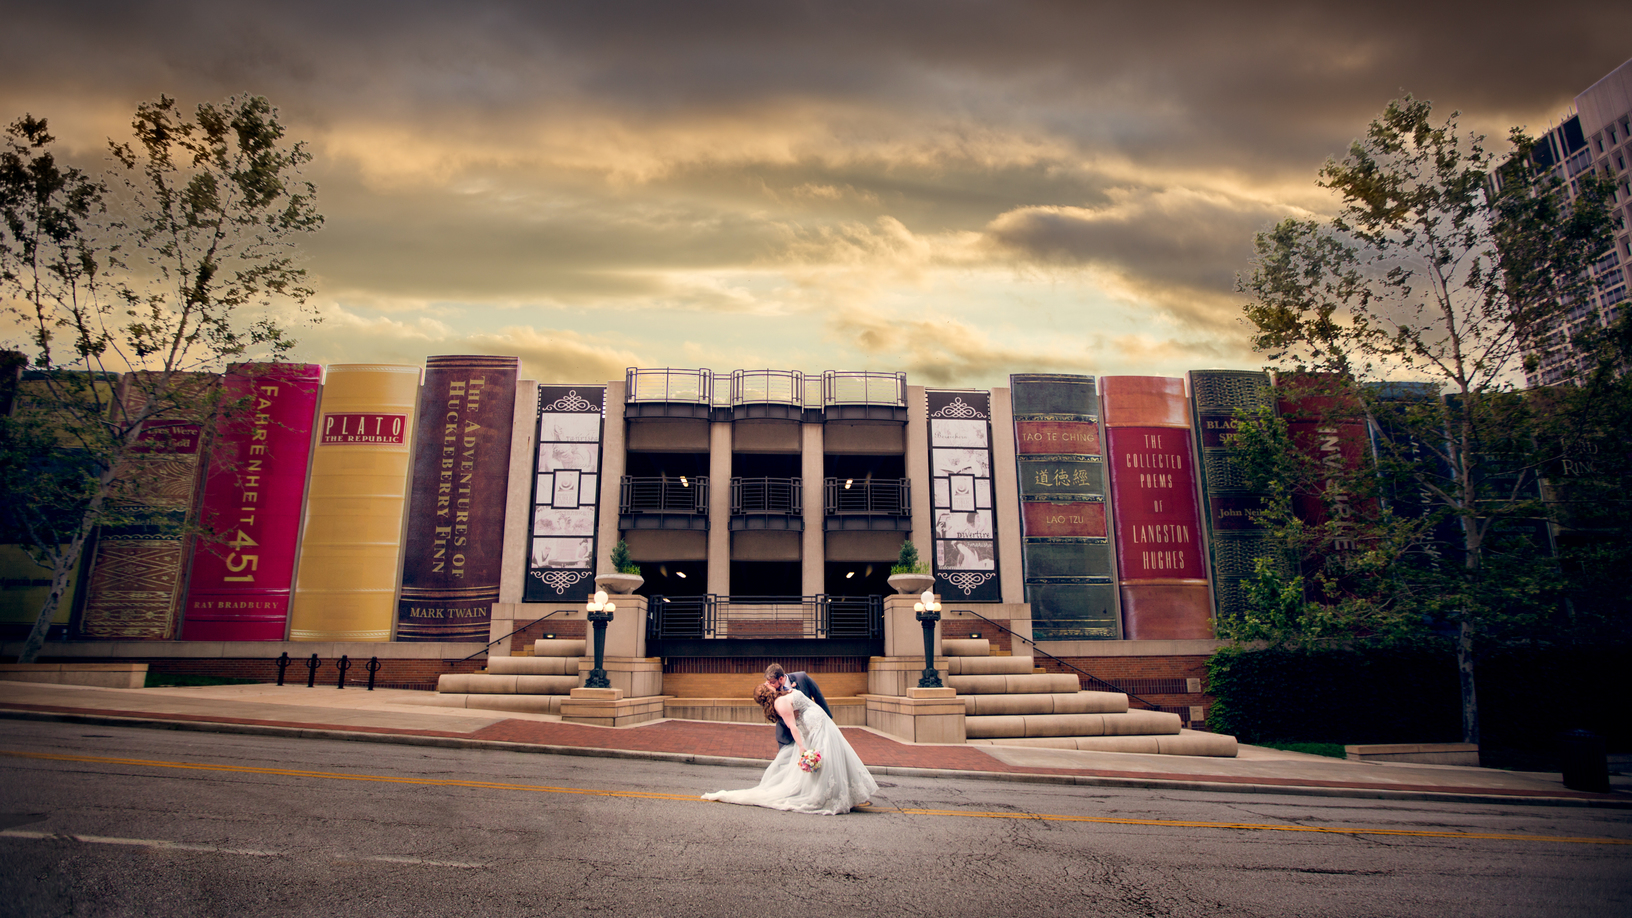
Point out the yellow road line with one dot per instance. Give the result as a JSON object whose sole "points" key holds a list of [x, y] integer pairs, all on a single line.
{"points": [[905, 811]]}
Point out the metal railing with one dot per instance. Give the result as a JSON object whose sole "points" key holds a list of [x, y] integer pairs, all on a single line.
{"points": [[489, 645], [768, 387], [869, 496], [715, 617], [768, 495], [664, 494], [864, 388], [665, 384]]}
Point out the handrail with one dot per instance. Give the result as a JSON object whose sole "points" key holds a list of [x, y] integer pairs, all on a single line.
{"points": [[510, 635], [1098, 681]]}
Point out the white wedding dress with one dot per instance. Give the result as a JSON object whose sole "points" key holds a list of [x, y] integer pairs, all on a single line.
{"points": [[839, 785]]}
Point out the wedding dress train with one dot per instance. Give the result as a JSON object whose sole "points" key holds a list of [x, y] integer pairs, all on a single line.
{"points": [[839, 785]]}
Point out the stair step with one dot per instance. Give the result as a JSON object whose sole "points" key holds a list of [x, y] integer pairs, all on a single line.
{"points": [[966, 647], [533, 666], [989, 666], [1015, 684], [1127, 723], [1056, 703], [559, 647], [1185, 742], [495, 684]]}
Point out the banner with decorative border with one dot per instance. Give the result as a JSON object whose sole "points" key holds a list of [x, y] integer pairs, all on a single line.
{"points": [[561, 545], [960, 469]]}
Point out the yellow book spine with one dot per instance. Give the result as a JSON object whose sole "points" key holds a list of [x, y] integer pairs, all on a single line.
{"points": [[351, 549]]}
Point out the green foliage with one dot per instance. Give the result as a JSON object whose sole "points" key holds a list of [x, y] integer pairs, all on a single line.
{"points": [[621, 561], [1353, 695], [907, 561], [1443, 265], [1330, 750], [191, 265]]}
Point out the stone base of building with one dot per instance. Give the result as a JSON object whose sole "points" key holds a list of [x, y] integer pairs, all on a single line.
{"points": [[100, 675]]}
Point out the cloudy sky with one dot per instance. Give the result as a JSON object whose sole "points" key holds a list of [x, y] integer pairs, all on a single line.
{"points": [[960, 190]]}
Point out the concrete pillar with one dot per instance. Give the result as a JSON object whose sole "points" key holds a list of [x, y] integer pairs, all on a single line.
{"points": [[1006, 499], [613, 436], [517, 511], [719, 508], [923, 526], [626, 632], [813, 548]]}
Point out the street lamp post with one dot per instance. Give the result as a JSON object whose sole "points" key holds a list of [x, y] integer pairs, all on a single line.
{"points": [[929, 612], [600, 612]]}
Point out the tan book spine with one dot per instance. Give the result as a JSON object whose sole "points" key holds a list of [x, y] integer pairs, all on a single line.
{"points": [[351, 547]]}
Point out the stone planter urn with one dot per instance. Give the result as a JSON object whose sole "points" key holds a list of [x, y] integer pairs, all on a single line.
{"points": [[619, 584], [911, 583]]}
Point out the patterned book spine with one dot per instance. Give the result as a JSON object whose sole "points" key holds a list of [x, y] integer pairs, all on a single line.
{"points": [[350, 550], [1235, 540], [254, 486], [137, 573], [561, 547], [1061, 478], [1161, 567], [451, 559], [960, 463]]}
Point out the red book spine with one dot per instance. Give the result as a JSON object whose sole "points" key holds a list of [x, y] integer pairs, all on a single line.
{"points": [[1161, 567], [1327, 425], [254, 486]]}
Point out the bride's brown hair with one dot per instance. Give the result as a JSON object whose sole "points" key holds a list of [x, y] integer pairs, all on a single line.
{"points": [[766, 696]]}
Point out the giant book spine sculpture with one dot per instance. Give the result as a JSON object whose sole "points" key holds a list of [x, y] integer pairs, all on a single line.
{"points": [[254, 488], [451, 557], [350, 552], [1160, 560], [1061, 479], [1236, 538], [137, 572], [1327, 426]]}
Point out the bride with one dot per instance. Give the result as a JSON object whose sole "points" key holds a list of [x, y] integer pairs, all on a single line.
{"points": [[839, 783]]}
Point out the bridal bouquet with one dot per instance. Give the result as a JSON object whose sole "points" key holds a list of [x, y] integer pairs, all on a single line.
{"points": [[810, 761]]}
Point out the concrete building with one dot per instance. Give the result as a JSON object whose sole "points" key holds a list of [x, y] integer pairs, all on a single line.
{"points": [[1596, 137]]}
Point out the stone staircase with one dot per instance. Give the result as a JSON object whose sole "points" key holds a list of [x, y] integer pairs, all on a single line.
{"points": [[1008, 701], [534, 684]]}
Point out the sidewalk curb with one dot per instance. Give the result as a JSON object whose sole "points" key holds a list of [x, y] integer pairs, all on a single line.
{"points": [[688, 758]]}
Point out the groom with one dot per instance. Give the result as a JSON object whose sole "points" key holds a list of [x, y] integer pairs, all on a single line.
{"points": [[778, 679]]}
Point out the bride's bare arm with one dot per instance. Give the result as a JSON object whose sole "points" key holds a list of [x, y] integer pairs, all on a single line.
{"points": [[784, 708]]}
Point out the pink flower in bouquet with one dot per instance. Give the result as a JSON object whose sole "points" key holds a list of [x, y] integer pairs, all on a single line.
{"points": [[810, 761]]}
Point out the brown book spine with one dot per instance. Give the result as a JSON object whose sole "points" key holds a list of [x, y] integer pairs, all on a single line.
{"points": [[455, 541]]}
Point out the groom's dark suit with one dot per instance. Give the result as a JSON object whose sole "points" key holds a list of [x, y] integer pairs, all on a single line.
{"points": [[802, 682]]}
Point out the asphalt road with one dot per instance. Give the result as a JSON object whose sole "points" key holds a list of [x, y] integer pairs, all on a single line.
{"points": [[114, 821]]}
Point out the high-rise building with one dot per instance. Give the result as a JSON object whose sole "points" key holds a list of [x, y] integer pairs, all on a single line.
{"points": [[1594, 138]]}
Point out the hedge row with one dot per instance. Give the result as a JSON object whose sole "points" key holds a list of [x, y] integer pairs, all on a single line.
{"points": [[1526, 697]]}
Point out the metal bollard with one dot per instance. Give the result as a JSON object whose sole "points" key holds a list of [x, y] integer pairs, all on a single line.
{"points": [[1586, 762], [373, 666], [311, 671], [283, 664], [343, 665]]}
